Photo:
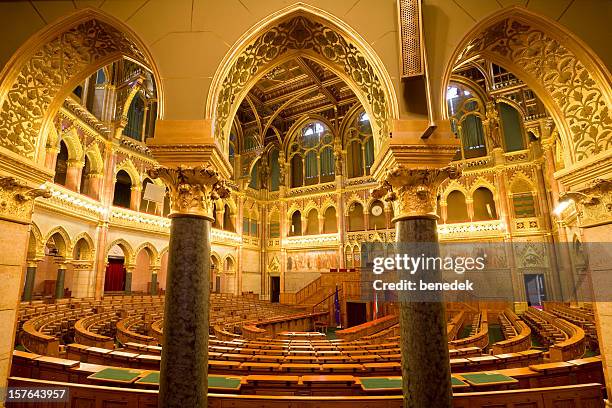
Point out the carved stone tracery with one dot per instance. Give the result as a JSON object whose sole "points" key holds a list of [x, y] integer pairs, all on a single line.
{"points": [[26, 102], [572, 86], [300, 33]]}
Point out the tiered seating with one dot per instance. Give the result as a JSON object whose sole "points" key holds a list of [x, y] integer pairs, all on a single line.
{"points": [[517, 334], [351, 387], [270, 360], [479, 333], [580, 317], [566, 341]]}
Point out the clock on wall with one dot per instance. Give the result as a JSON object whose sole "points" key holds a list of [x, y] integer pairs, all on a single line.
{"points": [[377, 210]]}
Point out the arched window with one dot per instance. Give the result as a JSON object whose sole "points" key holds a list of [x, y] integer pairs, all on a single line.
{"points": [[456, 207], [254, 183], [232, 146], [359, 146], [215, 223], [312, 223], [330, 223], [312, 158], [376, 216], [84, 188], [61, 165], [466, 112], [327, 165], [296, 224], [311, 171], [274, 225], [135, 115], [274, 170], [297, 172], [512, 126], [123, 190], [355, 222], [228, 220], [484, 205]]}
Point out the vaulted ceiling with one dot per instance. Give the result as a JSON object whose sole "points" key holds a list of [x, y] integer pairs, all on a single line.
{"points": [[296, 88]]}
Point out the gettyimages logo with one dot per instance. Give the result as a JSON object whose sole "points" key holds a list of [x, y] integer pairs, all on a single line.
{"points": [[412, 264]]}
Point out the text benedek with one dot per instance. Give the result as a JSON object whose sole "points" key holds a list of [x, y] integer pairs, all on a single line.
{"points": [[423, 286]]}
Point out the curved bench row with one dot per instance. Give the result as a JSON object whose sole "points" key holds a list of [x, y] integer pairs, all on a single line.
{"points": [[519, 340], [480, 338]]}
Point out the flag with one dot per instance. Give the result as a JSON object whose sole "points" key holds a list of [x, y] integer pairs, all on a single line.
{"points": [[337, 307], [375, 305]]}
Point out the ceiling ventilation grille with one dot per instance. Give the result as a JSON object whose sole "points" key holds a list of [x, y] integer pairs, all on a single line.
{"points": [[411, 43]]}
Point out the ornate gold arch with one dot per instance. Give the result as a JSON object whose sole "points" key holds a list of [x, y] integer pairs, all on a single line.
{"points": [[570, 79], [302, 28], [45, 69]]}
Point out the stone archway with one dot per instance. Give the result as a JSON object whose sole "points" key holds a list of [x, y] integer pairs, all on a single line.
{"points": [[569, 78], [321, 36], [47, 67]]}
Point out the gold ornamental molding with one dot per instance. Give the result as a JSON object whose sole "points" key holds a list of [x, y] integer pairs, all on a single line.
{"points": [[17, 200], [306, 30], [36, 80], [193, 190], [413, 191], [564, 72]]}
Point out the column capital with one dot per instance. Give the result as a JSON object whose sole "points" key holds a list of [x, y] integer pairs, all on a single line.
{"points": [[413, 191], [17, 199], [192, 189], [593, 203]]}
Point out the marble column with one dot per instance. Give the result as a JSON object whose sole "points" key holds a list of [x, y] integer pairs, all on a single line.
{"points": [[129, 271], [59, 281], [184, 364], [29, 281], [154, 284], [73, 175], [423, 338]]}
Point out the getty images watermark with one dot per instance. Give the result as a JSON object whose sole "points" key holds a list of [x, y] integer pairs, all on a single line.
{"points": [[531, 272], [422, 264]]}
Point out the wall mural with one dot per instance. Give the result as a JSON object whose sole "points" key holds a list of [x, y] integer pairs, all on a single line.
{"points": [[312, 261]]}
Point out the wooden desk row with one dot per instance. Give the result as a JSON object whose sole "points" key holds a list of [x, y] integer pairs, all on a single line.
{"points": [[539, 375]]}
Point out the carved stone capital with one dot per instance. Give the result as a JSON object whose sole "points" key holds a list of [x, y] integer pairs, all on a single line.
{"points": [[192, 189], [594, 203], [17, 199], [413, 191]]}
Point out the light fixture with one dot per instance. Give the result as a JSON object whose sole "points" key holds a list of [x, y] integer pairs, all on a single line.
{"points": [[564, 203]]}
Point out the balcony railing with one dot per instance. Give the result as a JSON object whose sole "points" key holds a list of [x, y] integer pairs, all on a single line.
{"points": [[70, 201], [311, 240]]}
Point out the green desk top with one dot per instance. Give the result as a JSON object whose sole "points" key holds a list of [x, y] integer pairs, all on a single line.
{"points": [[228, 383], [457, 383], [373, 383], [391, 383], [151, 378], [116, 375], [488, 378]]}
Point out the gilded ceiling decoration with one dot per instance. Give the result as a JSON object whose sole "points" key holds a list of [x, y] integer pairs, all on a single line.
{"points": [[572, 87], [300, 33], [53, 65]]}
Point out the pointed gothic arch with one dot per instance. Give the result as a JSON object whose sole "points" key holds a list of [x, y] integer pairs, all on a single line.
{"points": [[564, 72], [54, 61], [321, 37]]}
